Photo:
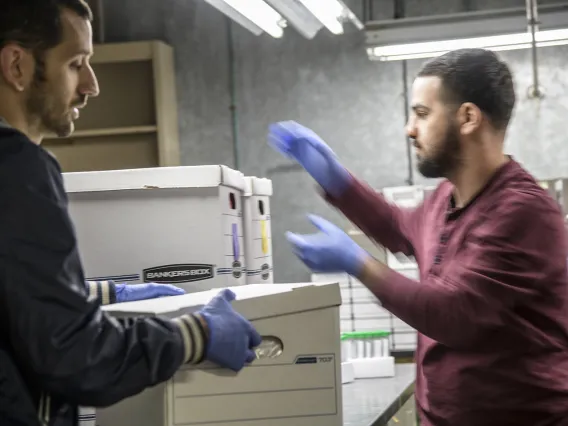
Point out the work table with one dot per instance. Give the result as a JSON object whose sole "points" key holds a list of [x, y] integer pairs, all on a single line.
{"points": [[373, 402]]}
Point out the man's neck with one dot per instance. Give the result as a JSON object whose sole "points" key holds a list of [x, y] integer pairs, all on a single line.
{"points": [[35, 137], [471, 179]]}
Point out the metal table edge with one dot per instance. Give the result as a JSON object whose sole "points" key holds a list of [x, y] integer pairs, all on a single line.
{"points": [[383, 418]]}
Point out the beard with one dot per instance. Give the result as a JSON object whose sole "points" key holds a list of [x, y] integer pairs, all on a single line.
{"points": [[44, 107], [444, 159]]}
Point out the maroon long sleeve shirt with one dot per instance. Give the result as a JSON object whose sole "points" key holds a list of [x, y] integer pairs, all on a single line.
{"points": [[491, 307]]}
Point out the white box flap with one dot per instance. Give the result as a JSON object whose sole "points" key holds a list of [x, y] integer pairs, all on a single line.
{"points": [[248, 186], [253, 301], [261, 186], [154, 178], [404, 196], [257, 186]]}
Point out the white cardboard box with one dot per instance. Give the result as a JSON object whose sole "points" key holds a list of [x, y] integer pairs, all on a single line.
{"points": [[345, 310], [258, 230], [301, 387], [177, 225], [404, 197]]}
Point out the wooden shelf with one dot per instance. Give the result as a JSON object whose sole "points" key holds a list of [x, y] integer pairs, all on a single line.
{"points": [[125, 52], [134, 121], [135, 130]]}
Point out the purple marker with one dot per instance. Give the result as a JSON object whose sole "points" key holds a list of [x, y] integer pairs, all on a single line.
{"points": [[236, 248]]}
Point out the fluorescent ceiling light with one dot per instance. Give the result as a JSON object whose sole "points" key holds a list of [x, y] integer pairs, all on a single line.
{"points": [[496, 43], [298, 16], [498, 30], [224, 8], [254, 15], [328, 12]]}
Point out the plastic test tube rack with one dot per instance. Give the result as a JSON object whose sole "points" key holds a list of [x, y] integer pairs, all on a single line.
{"points": [[366, 354]]}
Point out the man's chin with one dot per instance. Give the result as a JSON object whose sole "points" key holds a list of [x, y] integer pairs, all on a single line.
{"points": [[429, 170], [64, 131]]}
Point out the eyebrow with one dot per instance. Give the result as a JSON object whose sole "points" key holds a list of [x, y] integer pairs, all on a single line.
{"points": [[81, 51], [420, 106]]}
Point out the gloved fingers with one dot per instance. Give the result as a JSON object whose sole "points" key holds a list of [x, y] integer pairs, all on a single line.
{"points": [[279, 133], [306, 246], [310, 262], [251, 356], [279, 145], [295, 130], [227, 295], [322, 224], [323, 148], [221, 299], [165, 289], [289, 137], [254, 337], [304, 258], [298, 241], [314, 262], [283, 130]]}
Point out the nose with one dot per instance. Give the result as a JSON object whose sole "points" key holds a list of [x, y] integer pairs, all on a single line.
{"points": [[411, 128], [89, 85]]}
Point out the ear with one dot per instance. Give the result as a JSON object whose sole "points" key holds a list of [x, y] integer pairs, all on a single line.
{"points": [[16, 66], [469, 117]]}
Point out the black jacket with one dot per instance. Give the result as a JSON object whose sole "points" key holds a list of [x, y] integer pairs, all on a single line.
{"points": [[58, 349]]}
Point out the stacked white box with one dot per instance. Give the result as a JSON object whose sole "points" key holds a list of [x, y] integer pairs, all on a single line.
{"points": [[361, 310], [345, 310], [258, 230], [558, 190], [300, 386], [177, 225], [404, 197]]}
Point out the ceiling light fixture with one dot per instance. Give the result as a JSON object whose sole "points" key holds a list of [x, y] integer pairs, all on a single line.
{"points": [[498, 30], [254, 15]]}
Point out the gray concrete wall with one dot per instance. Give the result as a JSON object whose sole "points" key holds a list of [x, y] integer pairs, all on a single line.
{"points": [[328, 84]]}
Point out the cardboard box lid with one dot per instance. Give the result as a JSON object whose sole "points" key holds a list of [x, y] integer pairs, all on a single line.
{"points": [[257, 186], [261, 186], [253, 301], [248, 186], [154, 178]]}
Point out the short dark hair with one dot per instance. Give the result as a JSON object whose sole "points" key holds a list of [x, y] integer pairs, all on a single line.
{"points": [[36, 24], [477, 76]]}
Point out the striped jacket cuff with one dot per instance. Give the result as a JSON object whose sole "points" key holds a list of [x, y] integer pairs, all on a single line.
{"points": [[194, 337], [103, 291]]}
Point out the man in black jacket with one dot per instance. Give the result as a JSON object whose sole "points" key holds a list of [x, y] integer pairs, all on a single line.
{"points": [[58, 349]]}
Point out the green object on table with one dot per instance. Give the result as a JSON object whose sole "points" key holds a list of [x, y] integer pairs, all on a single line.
{"points": [[357, 335]]}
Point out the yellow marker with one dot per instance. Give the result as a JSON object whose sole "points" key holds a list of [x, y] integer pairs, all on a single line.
{"points": [[263, 237]]}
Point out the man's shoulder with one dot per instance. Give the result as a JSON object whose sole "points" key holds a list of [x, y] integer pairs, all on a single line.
{"points": [[521, 194], [21, 159], [522, 209]]}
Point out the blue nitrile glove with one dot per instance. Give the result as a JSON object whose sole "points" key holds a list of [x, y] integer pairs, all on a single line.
{"points": [[330, 250], [303, 145], [231, 337], [132, 292]]}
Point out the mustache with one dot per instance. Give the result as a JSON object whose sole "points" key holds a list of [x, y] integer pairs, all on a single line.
{"points": [[81, 102]]}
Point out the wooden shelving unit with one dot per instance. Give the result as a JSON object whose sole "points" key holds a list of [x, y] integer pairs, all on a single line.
{"points": [[133, 122]]}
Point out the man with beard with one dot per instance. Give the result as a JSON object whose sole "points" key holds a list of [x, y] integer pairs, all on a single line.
{"points": [[491, 305], [57, 348]]}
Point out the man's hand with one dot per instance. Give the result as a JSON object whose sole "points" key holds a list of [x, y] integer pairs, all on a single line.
{"points": [[312, 153], [133, 292], [330, 250], [231, 338]]}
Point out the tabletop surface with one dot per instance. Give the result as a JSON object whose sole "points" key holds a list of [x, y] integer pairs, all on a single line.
{"points": [[373, 402]]}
